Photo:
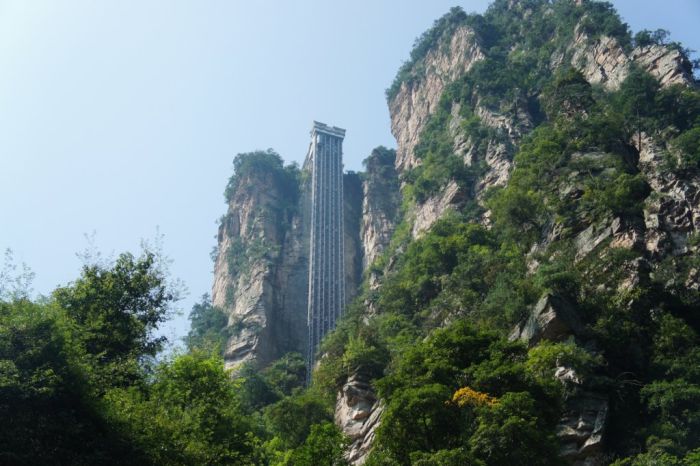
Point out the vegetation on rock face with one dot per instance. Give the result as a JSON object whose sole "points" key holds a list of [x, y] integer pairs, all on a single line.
{"points": [[576, 170], [208, 327], [264, 164], [429, 40], [381, 178], [251, 245], [261, 169]]}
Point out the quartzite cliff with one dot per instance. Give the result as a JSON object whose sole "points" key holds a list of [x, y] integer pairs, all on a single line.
{"points": [[265, 297]]}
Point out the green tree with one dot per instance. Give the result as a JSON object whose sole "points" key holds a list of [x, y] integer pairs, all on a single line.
{"points": [[117, 310], [46, 403], [207, 327], [291, 418], [419, 419], [324, 446], [190, 414], [511, 433]]}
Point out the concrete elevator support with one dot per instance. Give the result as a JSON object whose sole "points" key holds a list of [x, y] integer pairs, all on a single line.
{"points": [[326, 293]]}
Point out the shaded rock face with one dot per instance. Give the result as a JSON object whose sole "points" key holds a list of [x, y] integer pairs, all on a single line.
{"points": [[261, 269], [353, 241], [673, 213], [357, 413], [581, 428], [245, 285], [417, 100], [380, 204], [553, 318]]}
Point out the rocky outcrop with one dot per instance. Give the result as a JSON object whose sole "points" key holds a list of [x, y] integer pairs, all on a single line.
{"points": [[672, 213], [357, 413], [582, 424], [580, 430], [417, 99], [380, 203], [590, 238], [667, 64], [249, 243], [428, 212], [604, 61], [553, 318], [261, 268], [499, 154], [497, 159], [352, 241]]}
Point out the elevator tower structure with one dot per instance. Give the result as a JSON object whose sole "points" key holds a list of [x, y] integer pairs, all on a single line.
{"points": [[326, 298]]}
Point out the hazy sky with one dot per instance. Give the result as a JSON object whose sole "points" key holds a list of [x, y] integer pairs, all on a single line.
{"points": [[123, 117]]}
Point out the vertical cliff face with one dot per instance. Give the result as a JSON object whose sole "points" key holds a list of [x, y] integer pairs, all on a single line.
{"points": [[261, 268], [380, 203], [417, 98], [260, 242], [604, 61], [352, 217], [670, 216]]}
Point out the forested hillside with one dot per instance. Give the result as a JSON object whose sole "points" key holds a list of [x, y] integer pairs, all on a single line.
{"points": [[530, 290]]}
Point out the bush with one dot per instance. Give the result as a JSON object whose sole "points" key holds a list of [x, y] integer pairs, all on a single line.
{"points": [[687, 145]]}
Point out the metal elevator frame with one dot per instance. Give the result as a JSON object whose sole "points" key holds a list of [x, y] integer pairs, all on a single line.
{"points": [[326, 291]]}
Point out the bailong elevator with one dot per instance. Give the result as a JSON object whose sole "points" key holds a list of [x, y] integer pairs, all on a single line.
{"points": [[326, 293]]}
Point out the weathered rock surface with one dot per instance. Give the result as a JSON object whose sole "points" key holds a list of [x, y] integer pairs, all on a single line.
{"points": [[553, 318], [357, 413], [248, 294], [591, 238], [604, 61], [582, 424], [673, 212], [266, 297], [416, 100], [499, 156], [433, 208], [580, 430], [666, 63], [380, 205]]}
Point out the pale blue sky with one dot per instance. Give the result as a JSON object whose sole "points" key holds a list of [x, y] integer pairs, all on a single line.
{"points": [[119, 117]]}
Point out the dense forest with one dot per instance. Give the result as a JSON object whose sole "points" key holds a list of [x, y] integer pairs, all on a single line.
{"points": [[83, 379]]}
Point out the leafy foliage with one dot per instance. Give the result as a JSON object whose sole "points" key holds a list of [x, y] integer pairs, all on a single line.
{"points": [[189, 414], [421, 421], [58, 358], [208, 329], [263, 164], [117, 310]]}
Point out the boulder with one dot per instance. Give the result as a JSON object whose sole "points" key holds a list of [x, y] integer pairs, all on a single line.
{"points": [[357, 413], [580, 430], [553, 318]]}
